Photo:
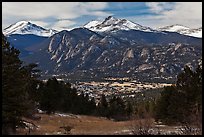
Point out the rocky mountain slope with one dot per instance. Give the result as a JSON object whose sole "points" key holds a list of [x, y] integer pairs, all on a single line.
{"points": [[115, 48]]}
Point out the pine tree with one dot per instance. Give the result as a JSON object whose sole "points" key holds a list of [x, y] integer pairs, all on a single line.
{"points": [[189, 83], [129, 109], [50, 95], [163, 103], [17, 82], [117, 108], [102, 108], [182, 103]]}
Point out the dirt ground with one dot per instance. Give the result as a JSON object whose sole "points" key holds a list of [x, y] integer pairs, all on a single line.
{"points": [[69, 124], [80, 125]]}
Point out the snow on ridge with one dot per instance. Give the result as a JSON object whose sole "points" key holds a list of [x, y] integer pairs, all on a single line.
{"points": [[14, 27], [183, 30], [114, 24], [194, 33], [92, 23], [26, 27], [174, 28]]}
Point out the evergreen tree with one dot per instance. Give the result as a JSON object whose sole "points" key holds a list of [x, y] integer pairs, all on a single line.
{"points": [[59, 96], [163, 111], [129, 109], [92, 106], [117, 108], [102, 108], [50, 96], [189, 83], [17, 83], [182, 103]]}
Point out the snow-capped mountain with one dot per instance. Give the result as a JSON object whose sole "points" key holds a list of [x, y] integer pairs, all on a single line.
{"points": [[25, 27], [114, 24], [110, 48], [183, 30], [193, 32], [174, 28]]}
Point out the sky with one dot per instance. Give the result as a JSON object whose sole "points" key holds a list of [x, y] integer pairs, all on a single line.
{"points": [[67, 15]]}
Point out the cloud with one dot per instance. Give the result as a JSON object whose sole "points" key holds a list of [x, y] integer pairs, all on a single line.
{"points": [[57, 14], [158, 7], [63, 25], [185, 13], [39, 11]]}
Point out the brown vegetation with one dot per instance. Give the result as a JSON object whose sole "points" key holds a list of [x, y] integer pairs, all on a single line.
{"points": [[76, 125], [91, 125]]}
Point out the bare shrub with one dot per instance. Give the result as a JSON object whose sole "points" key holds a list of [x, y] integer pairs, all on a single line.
{"points": [[143, 126], [67, 129], [189, 130], [194, 126]]}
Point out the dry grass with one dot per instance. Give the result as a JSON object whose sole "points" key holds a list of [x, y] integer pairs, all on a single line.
{"points": [[90, 125], [50, 124]]}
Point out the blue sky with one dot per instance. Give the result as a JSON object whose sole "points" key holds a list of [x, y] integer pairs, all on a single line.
{"points": [[66, 15]]}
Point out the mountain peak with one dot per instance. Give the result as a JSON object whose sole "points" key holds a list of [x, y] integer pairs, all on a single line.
{"points": [[113, 24], [26, 27], [183, 30], [22, 22], [110, 17], [110, 20]]}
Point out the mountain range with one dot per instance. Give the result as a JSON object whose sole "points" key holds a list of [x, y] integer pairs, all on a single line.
{"points": [[109, 24], [109, 48]]}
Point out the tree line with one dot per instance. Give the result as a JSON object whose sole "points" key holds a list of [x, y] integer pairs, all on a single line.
{"points": [[55, 95]]}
